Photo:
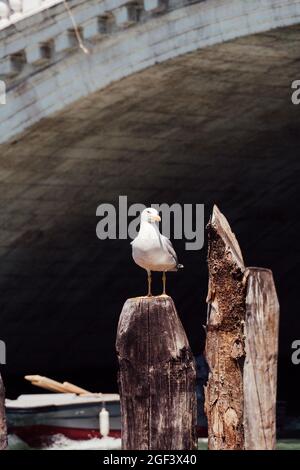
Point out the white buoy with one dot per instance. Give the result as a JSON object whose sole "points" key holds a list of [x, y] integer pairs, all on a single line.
{"points": [[104, 421]]}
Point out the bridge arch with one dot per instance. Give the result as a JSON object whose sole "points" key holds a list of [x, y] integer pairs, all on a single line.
{"points": [[46, 70]]}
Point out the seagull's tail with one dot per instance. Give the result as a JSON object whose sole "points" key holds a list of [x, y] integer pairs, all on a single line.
{"points": [[180, 266]]}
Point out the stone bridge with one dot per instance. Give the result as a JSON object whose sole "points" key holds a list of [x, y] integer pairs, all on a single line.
{"points": [[162, 101], [54, 53]]}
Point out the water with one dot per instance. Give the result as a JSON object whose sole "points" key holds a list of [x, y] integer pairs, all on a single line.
{"points": [[60, 442]]}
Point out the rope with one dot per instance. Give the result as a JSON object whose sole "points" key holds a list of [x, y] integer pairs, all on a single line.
{"points": [[77, 32]]}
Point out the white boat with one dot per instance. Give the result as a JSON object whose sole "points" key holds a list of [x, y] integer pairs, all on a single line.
{"points": [[36, 418]]}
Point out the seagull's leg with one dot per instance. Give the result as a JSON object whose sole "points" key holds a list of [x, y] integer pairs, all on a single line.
{"points": [[149, 283], [164, 279]]}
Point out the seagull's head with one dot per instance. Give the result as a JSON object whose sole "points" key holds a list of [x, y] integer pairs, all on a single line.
{"points": [[150, 215]]}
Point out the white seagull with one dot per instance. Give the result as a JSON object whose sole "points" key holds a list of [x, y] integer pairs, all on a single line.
{"points": [[153, 251]]}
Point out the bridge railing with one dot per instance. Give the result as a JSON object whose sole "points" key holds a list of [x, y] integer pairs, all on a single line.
{"points": [[14, 10], [31, 37]]}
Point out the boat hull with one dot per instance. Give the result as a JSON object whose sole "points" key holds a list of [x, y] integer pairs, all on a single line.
{"points": [[38, 436], [37, 427]]}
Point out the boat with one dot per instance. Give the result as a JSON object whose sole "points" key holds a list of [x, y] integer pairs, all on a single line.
{"points": [[37, 418], [74, 412]]}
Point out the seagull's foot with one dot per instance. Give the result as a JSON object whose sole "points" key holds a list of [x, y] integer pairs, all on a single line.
{"points": [[146, 296], [163, 295]]}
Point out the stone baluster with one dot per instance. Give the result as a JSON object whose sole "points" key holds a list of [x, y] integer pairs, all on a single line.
{"points": [[16, 7], [4, 13]]}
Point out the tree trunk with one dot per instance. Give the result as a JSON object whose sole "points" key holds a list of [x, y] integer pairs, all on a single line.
{"points": [[157, 377], [260, 370], [225, 337], [3, 432]]}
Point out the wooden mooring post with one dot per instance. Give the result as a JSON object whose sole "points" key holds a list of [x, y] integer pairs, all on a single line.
{"points": [[3, 430], [157, 377], [224, 348], [241, 346], [260, 369]]}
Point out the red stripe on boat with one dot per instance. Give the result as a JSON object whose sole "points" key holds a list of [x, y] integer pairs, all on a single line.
{"points": [[41, 435]]}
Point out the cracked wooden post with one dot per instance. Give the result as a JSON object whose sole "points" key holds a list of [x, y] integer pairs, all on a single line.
{"points": [[260, 369], [157, 377], [3, 431], [225, 337]]}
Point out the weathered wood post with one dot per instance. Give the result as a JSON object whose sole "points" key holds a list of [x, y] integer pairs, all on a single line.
{"points": [[241, 346], [3, 431], [260, 369], [157, 377], [225, 337]]}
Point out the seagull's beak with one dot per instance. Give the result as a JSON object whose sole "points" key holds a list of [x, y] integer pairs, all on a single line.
{"points": [[156, 218]]}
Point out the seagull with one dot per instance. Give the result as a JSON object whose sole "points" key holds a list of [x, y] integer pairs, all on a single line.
{"points": [[153, 251]]}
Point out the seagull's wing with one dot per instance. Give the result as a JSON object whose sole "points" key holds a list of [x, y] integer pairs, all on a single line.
{"points": [[169, 247]]}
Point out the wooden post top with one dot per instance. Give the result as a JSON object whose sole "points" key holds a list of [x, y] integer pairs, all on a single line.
{"points": [[152, 298], [150, 328]]}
